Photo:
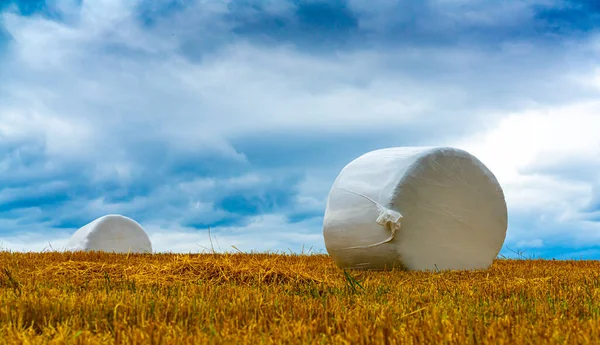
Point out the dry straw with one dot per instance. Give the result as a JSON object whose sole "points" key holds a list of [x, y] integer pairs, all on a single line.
{"points": [[100, 298]]}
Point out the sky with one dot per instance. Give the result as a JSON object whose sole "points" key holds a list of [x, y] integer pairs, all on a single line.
{"points": [[238, 115]]}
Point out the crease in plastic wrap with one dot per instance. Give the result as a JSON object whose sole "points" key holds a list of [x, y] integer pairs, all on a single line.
{"points": [[416, 208], [111, 233]]}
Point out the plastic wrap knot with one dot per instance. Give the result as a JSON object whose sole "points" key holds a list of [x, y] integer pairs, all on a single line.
{"points": [[389, 219]]}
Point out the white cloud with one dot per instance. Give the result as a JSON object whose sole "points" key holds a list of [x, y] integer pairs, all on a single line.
{"points": [[548, 161], [536, 243], [264, 233]]}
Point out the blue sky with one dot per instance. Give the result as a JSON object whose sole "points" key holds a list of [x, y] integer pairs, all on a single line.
{"points": [[238, 115]]}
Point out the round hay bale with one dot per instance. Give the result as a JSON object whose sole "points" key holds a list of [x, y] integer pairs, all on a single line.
{"points": [[416, 208], [111, 233]]}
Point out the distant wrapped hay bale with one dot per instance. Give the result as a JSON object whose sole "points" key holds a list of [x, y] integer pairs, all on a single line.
{"points": [[416, 208], [111, 233]]}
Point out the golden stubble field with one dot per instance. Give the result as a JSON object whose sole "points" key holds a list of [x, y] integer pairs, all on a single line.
{"points": [[100, 298]]}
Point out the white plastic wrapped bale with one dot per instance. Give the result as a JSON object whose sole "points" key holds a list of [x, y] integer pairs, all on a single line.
{"points": [[111, 233], [415, 208]]}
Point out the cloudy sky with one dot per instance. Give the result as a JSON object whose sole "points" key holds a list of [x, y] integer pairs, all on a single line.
{"points": [[238, 115]]}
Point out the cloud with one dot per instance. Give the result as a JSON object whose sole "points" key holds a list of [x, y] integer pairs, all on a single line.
{"points": [[238, 115], [295, 237], [548, 163]]}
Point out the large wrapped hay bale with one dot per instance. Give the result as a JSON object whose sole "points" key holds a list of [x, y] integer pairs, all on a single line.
{"points": [[111, 233], [415, 208]]}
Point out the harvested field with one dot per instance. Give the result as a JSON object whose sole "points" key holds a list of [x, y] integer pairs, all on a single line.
{"points": [[100, 298]]}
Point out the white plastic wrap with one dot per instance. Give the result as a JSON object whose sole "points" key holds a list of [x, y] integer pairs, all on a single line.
{"points": [[415, 208], [111, 233]]}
